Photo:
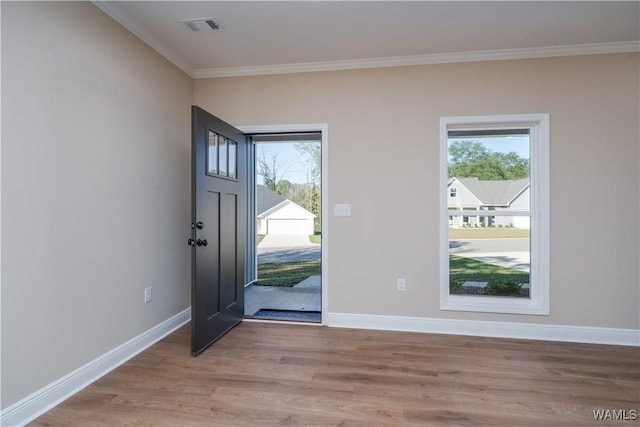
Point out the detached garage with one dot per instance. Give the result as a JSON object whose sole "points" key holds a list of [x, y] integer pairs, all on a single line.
{"points": [[277, 215]]}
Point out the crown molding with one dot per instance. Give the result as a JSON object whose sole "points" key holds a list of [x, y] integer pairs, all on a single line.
{"points": [[393, 61], [437, 58], [134, 28]]}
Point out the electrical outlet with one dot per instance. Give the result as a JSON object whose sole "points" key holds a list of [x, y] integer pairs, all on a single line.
{"points": [[147, 294], [401, 285]]}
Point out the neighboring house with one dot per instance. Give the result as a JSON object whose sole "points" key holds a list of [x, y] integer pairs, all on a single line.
{"points": [[474, 194], [278, 215]]}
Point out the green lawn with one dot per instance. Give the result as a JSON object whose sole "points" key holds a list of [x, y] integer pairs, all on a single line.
{"points": [[286, 273], [487, 233], [502, 281]]}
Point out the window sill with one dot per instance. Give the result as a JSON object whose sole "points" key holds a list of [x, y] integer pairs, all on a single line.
{"points": [[488, 304]]}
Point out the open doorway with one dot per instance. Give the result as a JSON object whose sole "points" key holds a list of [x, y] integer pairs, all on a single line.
{"points": [[288, 228]]}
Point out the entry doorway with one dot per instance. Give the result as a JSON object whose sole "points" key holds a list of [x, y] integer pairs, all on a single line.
{"points": [[288, 214]]}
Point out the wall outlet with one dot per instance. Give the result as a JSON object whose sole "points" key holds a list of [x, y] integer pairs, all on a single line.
{"points": [[147, 294], [401, 285]]}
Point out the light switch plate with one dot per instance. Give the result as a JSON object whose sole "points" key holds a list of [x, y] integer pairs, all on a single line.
{"points": [[342, 209]]}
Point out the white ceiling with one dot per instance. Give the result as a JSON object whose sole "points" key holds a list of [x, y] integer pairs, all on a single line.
{"points": [[266, 37]]}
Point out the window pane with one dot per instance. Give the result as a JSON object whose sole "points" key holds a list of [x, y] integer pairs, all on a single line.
{"points": [[232, 159], [222, 166], [487, 259], [212, 154], [489, 170]]}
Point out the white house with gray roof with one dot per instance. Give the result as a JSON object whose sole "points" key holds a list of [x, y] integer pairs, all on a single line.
{"points": [[279, 215], [495, 195]]}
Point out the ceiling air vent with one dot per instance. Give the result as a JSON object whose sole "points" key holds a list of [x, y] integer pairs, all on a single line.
{"points": [[202, 25]]}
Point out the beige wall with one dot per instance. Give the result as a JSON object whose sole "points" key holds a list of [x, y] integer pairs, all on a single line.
{"points": [[95, 190], [383, 159]]}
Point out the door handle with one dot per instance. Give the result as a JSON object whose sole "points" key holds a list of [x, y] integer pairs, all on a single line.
{"points": [[197, 242]]}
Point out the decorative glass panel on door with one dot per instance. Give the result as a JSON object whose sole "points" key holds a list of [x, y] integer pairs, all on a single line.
{"points": [[212, 154], [222, 152], [232, 148]]}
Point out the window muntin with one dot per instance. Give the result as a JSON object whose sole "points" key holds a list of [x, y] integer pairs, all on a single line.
{"points": [[507, 272]]}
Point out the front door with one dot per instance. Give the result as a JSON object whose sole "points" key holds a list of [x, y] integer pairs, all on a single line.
{"points": [[218, 216]]}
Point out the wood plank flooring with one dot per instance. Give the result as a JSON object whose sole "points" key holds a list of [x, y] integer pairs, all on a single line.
{"points": [[263, 374]]}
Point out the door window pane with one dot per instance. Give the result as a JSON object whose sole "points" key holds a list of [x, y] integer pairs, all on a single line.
{"points": [[232, 148], [222, 152], [212, 154]]}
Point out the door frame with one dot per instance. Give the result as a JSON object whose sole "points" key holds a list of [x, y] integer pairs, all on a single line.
{"points": [[323, 128]]}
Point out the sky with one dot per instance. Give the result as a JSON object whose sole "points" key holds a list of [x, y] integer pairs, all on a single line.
{"points": [[289, 160]]}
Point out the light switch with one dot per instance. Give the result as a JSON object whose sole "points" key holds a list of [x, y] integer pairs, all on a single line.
{"points": [[342, 209]]}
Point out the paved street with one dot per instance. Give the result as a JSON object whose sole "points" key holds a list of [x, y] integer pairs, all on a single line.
{"points": [[287, 248], [509, 253]]}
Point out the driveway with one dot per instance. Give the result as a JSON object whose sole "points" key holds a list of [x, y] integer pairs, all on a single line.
{"points": [[287, 248], [284, 241]]}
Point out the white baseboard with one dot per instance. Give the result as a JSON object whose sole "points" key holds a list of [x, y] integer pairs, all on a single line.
{"points": [[532, 331], [41, 401]]}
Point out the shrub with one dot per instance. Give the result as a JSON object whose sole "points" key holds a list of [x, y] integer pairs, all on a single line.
{"points": [[455, 287], [506, 288]]}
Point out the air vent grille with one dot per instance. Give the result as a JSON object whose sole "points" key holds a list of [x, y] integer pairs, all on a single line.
{"points": [[200, 25]]}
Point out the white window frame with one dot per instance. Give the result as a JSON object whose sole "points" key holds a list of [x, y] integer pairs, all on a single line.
{"points": [[538, 301]]}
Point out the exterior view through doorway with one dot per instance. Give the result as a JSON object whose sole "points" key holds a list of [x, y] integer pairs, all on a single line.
{"points": [[287, 185]]}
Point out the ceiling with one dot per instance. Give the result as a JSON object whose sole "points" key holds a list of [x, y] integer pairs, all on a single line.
{"points": [[267, 37]]}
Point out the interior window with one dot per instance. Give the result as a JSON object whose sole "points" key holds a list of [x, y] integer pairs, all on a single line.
{"points": [[494, 227]]}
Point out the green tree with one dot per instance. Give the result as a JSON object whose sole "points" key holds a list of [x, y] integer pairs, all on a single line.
{"points": [[473, 159], [284, 187]]}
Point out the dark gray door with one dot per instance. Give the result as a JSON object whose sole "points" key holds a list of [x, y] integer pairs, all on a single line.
{"points": [[218, 216]]}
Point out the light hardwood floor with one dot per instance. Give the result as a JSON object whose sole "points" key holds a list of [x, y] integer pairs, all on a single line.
{"points": [[262, 374]]}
